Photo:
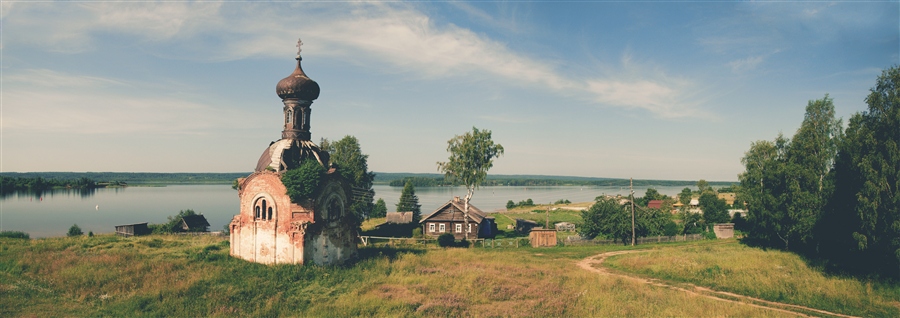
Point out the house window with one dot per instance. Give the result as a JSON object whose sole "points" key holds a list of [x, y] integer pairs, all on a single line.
{"points": [[469, 230], [459, 228], [443, 227], [430, 227]]}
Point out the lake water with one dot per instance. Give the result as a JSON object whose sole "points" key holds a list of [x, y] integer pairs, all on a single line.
{"points": [[52, 213]]}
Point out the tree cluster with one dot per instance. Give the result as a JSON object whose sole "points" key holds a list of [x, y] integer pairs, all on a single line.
{"points": [[828, 193], [524, 203], [609, 218], [39, 184]]}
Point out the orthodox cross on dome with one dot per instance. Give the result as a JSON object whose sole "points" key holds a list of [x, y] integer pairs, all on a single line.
{"points": [[299, 49]]}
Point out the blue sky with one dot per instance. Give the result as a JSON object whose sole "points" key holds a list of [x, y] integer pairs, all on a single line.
{"points": [[650, 90]]}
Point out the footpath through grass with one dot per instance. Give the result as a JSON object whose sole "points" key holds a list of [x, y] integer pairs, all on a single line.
{"points": [[770, 275], [185, 276]]}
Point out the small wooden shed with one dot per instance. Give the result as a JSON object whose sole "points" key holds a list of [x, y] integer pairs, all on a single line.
{"points": [[133, 229], [194, 223], [542, 237]]}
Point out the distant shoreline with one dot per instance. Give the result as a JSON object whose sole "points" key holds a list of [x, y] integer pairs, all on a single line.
{"points": [[384, 178]]}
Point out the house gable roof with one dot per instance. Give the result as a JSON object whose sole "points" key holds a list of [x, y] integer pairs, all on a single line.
{"points": [[453, 211], [194, 221]]}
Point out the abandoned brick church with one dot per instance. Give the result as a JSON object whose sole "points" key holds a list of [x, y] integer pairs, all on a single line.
{"points": [[271, 228]]}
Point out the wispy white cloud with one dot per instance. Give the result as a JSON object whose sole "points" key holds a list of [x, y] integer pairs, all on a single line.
{"points": [[745, 64], [54, 102], [393, 37]]}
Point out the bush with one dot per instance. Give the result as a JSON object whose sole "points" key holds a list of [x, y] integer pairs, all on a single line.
{"points": [[417, 232], [303, 181], [446, 240], [709, 235], [75, 231], [15, 234]]}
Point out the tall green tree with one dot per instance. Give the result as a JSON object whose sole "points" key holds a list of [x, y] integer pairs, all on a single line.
{"points": [[471, 156], [862, 225], [702, 185], [714, 209], [685, 196], [409, 202], [786, 182], [811, 156], [380, 209], [347, 156]]}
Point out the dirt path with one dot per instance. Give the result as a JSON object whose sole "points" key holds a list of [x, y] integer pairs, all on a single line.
{"points": [[594, 264]]}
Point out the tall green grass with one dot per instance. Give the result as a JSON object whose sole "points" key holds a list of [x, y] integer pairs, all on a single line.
{"points": [[193, 276], [771, 275]]}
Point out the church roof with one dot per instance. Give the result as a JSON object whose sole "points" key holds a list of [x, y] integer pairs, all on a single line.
{"points": [[287, 154]]}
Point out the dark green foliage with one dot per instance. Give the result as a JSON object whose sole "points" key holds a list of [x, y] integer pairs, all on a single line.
{"points": [[90, 233], [652, 194], [523, 203], [670, 228], [693, 223], [446, 240], [606, 217], [409, 202], [740, 224], [15, 234], [786, 183], [714, 209], [865, 209], [75, 231], [380, 209], [562, 201], [352, 164], [303, 181], [685, 196]]}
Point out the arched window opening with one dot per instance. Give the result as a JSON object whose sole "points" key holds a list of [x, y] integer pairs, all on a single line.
{"points": [[263, 211]]}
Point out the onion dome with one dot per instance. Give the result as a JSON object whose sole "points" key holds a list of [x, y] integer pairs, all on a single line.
{"points": [[297, 85]]}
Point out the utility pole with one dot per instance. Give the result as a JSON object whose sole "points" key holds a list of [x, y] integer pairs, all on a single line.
{"points": [[631, 187]]}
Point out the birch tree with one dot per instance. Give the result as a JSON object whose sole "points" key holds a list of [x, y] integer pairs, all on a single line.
{"points": [[471, 156]]}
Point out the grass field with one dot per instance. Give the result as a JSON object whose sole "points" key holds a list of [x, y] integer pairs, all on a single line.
{"points": [[770, 275], [184, 276]]}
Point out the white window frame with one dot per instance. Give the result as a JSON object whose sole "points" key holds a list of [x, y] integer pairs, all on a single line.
{"points": [[430, 227], [458, 228], [443, 227], [469, 230]]}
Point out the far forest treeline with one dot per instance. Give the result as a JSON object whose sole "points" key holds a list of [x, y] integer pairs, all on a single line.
{"points": [[133, 177], [418, 181], [39, 184]]}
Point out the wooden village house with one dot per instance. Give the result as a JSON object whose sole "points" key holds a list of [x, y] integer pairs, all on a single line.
{"points": [[450, 218], [133, 229], [273, 228]]}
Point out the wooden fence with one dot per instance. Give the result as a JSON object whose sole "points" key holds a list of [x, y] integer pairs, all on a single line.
{"points": [[517, 242], [639, 240]]}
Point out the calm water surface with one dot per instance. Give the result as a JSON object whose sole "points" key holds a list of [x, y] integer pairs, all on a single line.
{"points": [[52, 213]]}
